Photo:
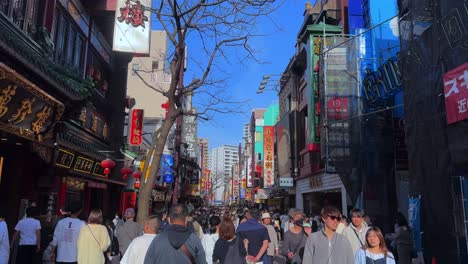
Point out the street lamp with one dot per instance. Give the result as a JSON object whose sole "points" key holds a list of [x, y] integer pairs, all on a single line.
{"points": [[267, 81]]}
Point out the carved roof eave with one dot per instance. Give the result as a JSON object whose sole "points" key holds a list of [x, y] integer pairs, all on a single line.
{"points": [[78, 140]]}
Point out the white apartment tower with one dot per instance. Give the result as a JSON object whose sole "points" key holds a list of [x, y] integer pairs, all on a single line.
{"points": [[222, 159]]}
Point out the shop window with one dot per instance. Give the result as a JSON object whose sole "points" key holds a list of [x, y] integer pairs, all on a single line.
{"points": [[24, 13]]}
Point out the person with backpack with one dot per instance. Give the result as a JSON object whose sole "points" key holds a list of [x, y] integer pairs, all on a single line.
{"points": [[176, 244], [229, 249]]}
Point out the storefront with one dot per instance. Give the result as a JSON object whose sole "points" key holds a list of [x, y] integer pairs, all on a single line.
{"points": [[319, 190], [28, 117]]}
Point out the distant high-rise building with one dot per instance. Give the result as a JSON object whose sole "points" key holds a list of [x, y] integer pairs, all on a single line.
{"points": [[222, 159]]}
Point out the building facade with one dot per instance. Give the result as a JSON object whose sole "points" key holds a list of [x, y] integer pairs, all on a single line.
{"points": [[222, 159], [62, 107]]}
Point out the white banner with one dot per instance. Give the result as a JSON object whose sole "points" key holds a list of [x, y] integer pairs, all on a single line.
{"points": [[132, 27]]}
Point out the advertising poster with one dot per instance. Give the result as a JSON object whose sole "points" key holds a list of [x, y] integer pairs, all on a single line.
{"points": [[269, 161]]}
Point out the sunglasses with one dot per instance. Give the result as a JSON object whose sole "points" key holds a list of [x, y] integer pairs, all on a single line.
{"points": [[333, 218]]}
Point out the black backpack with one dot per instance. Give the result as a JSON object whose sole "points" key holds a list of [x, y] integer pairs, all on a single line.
{"points": [[233, 255]]}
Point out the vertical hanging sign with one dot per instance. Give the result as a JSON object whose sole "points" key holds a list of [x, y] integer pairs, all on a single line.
{"points": [[132, 26], [135, 127], [269, 161]]}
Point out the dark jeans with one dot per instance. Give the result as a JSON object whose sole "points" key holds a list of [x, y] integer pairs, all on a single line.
{"points": [[66, 262], [26, 254], [267, 259]]}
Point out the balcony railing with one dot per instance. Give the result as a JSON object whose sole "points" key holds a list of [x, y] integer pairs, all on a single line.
{"points": [[24, 13]]}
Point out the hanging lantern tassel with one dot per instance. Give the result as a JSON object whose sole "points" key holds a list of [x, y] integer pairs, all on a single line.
{"points": [[107, 164]]}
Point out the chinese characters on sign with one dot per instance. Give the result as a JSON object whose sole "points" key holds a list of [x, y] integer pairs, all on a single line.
{"points": [[133, 14], [26, 110], [64, 159], [132, 26], [269, 160], [83, 165], [51, 206], [94, 122], [456, 93], [135, 125]]}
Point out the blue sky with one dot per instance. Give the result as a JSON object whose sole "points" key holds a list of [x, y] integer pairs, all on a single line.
{"points": [[276, 50]]}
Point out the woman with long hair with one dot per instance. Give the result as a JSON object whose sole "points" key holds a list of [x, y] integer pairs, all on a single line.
{"points": [[375, 250], [229, 244], [93, 240], [209, 240]]}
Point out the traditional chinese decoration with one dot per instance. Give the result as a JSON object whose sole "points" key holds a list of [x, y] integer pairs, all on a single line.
{"points": [[137, 175], [5, 97], [165, 106], [83, 116], [41, 118], [94, 123], [24, 110], [133, 14], [107, 164], [125, 172], [105, 131]]}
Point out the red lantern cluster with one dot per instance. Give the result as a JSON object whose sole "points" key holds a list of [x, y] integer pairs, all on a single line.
{"points": [[107, 164], [125, 172]]}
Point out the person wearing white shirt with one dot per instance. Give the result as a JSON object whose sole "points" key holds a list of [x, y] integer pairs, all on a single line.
{"points": [[4, 241], [136, 251], [66, 235], [209, 240], [29, 232]]}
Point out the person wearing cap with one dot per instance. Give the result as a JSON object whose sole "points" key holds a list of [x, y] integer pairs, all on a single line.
{"points": [[66, 235], [127, 231], [295, 238], [273, 245]]}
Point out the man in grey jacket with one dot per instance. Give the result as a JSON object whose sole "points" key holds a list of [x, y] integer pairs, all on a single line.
{"points": [[327, 246], [176, 244]]}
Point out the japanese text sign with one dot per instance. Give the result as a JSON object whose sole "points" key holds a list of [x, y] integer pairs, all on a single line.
{"points": [[456, 93], [135, 125], [269, 160]]}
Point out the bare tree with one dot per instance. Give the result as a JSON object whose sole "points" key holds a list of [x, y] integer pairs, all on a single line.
{"points": [[218, 27]]}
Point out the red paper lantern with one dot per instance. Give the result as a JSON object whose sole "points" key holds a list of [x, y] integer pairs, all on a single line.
{"points": [[165, 106], [107, 164], [125, 172], [136, 185], [137, 175]]}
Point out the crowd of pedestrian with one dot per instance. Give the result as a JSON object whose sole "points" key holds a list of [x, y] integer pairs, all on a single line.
{"points": [[185, 234]]}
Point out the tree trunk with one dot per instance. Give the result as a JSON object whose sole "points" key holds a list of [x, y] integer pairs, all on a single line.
{"points": [[155, 153]]}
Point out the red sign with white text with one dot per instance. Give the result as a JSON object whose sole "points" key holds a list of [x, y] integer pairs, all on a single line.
{"points": [[456, 93], [135, 124], [269, 160]]}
